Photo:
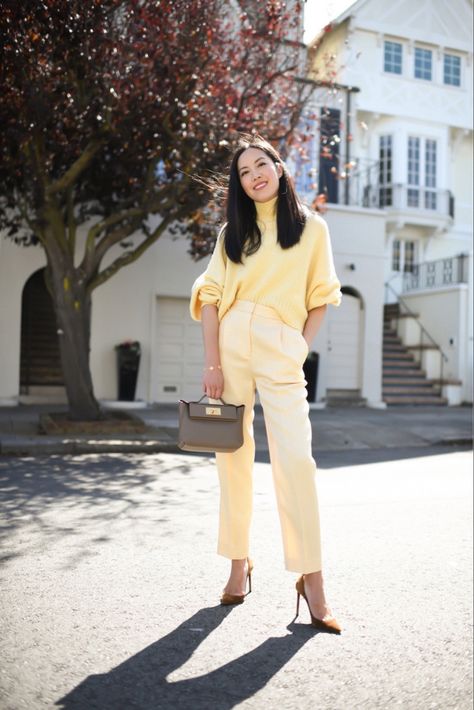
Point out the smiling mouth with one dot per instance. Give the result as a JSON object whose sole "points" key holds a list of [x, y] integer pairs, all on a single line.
{"points": [[260, 185]]}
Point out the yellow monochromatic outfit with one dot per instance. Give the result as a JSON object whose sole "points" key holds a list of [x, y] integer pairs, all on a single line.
{"points": [[262, 307]]}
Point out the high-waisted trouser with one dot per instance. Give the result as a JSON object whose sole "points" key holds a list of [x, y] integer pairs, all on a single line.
{"points": [[259, 351]]}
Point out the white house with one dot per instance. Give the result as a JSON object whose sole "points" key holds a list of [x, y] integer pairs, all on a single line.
{"points": [[397, 179], [406, 148]]}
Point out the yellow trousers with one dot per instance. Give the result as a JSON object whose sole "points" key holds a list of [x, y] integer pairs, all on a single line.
{"points": [[259, 351]]}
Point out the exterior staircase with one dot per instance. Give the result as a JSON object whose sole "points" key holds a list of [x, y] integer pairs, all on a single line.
{"points": [[40, 365], [404, 382]]}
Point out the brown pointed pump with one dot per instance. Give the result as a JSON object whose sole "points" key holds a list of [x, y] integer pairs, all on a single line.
{"points": [[330, 624], [227, 599]]}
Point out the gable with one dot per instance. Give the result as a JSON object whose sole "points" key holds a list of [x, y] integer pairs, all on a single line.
{"points": [[448, 24]]}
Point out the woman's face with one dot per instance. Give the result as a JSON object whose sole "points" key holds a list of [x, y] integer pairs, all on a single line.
{"points": [[259, 175]]}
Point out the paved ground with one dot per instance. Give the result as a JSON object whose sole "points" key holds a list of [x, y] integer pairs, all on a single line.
{"points": [[333, 430], [110, 584]]}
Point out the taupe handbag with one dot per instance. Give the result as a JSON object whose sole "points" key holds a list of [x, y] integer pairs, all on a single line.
{"points": [[210, 427]]}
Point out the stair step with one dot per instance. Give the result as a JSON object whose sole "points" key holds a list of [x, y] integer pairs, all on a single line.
{"points": [[414, 390], [402, 380], [393, 348], [405, 371], [435, 401], [389, 356]]}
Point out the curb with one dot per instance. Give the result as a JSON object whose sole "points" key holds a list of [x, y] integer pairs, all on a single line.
{"points": [[454, 441], [34, 446], [23, 446]]}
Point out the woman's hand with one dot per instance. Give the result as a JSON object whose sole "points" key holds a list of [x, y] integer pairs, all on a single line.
{"points": [[213, 383]]}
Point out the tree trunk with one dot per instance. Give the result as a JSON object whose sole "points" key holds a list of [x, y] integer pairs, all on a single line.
{"points": [[72, 304]]}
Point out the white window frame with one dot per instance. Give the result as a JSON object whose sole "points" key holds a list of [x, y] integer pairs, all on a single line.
{"points": [[461, 72], [402, 250], [432, 53], [423, 190], [387, 71]]}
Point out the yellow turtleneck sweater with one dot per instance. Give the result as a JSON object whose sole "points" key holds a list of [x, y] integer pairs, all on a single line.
{"points": [[293, 281]]}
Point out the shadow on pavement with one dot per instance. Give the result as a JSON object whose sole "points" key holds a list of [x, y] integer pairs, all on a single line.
{"points": [[141, 681], [29, 488]]}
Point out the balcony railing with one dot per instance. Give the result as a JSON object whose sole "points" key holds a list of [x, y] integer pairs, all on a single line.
{"points": [[411, 198], [358, 185], [435, 274]]}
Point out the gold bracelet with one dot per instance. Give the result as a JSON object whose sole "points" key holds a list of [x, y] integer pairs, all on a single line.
{"points": [[213, 367]]}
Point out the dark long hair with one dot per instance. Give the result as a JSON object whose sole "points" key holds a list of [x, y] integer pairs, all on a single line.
{"points": [[242, 235]]}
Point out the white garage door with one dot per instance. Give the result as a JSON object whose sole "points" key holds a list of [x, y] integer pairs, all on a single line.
{"points": [[178, 352], [344, 344]]}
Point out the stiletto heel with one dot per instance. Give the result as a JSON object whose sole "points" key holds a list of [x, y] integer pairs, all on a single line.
{"points": [[297, 605], [227, 599], [330, 625]]}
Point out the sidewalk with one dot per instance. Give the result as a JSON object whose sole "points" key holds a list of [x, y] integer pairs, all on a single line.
{"points": [[334, 429]]}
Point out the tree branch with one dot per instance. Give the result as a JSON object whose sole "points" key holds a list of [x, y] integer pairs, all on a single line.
{"points": [[131, 256], [71, 175]]}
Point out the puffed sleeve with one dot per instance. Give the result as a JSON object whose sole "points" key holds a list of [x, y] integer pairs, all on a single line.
{"points": [[323, 285], [208, 287]]}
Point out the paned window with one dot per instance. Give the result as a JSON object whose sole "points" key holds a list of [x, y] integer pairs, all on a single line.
{"points": [[396, 255], [305, 170], [430, 174], [330, 129], [413, 191], [409, 261], [392, 58], [423, 63], [385, 171], [452, 70]]}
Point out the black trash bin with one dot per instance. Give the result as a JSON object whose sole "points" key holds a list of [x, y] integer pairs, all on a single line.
{"points": [[128, 362], [310, 369]]}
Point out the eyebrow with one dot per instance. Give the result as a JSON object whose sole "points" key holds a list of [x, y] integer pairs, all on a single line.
{"points": [[262, 157]]}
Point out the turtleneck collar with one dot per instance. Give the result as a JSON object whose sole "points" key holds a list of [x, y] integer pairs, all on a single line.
{"points": [[266, 211]]}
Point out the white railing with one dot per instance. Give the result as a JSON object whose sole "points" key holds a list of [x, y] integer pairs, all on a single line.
{"points": [[416, 199], [435, 274]]}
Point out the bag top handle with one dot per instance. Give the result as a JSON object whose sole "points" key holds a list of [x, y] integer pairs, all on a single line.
{"points": [[205, 395]]}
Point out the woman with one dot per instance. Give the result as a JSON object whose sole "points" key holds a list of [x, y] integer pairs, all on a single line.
{"points": [[261, 301]]}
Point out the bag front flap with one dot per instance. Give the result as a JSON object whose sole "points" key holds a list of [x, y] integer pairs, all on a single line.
{"points": [[218, 412]]}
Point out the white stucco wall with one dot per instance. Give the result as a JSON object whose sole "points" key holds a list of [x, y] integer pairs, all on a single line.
{"points": [[124, 308], [16, 266], [358, 238]]}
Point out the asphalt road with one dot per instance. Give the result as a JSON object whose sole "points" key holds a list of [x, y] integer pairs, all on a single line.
{"points": [[110, 587]]}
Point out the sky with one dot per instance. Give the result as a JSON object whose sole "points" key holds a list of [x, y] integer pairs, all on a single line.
{"points": [[318, 13]]}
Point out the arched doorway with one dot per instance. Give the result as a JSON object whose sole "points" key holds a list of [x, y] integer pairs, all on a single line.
{"points": [[345, 346], [40, 364]]}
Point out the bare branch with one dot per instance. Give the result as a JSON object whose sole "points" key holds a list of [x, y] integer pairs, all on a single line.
{"points": [[71, 175], [131, 256]]}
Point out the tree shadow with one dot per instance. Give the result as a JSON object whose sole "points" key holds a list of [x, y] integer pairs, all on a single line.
{"points": [[141, 681], [29, 488]]}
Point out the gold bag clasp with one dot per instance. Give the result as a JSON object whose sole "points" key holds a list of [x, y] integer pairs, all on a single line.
{"points": [[214, 410]]}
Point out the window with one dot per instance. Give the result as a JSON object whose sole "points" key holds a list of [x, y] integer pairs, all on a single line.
{"points": [[413, 177], [305, 170], [423, 63], [422, 170], [409, 261], [452, 70], [392, 57], [430, 174], [404, 256], [330, 127], [396, 255], [385, 171]]}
